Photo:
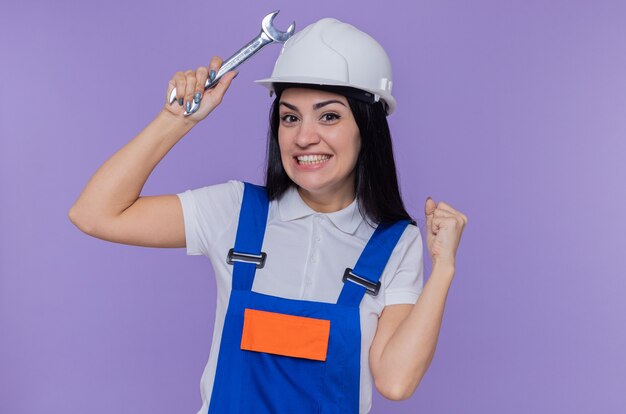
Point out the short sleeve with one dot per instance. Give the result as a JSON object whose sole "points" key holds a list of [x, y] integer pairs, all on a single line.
{"points": [[405, 280], [208, 212]]}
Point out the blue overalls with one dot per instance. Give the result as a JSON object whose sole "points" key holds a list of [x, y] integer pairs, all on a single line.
{"points": [[281, 355]]}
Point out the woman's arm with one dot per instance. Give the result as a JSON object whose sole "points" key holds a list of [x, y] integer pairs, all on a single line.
{"points": [[406, 338], [116, 185], [109, 207]]}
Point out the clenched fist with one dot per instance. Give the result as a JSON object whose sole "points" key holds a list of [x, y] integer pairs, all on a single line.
{"points": [[190, 86], [444, 227]]}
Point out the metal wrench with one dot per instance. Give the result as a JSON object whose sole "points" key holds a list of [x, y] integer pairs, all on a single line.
{"points": [[269, 34]]}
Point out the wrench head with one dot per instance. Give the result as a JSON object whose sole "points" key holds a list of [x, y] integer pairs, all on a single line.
{"points": [[276, 35]]}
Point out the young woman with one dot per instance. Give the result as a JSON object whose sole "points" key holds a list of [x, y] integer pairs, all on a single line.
{"points": [[320, 272]]}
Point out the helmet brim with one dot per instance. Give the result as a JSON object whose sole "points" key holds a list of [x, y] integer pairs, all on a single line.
{"points": [[268, 83]]}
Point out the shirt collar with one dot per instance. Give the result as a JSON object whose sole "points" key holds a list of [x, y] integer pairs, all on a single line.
{"points": [[292, 207]]}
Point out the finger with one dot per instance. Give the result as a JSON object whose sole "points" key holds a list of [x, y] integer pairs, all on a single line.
{"points": [[202, 73], [214, 66], [447, 207], [444, 222], [429, 209], [179, 79], [429, 206], [441, 213], [190, 84]]}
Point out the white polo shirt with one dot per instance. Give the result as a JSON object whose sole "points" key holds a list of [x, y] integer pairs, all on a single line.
{"points": [[307, 253]]}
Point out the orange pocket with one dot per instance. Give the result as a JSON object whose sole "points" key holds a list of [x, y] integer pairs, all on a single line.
{"points": [[277, 333]]}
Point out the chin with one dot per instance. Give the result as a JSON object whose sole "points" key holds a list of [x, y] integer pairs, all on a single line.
{"points": [[317, 186], [311, 186]]}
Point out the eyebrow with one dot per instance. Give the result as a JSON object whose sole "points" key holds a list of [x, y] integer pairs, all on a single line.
{"points": [[316, 106]]}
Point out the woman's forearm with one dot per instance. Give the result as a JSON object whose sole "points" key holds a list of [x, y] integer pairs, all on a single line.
{"points": [[116, 185], [410, 350]]}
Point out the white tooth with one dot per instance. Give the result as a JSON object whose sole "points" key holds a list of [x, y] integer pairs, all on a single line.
{"points": [[308, 159]]}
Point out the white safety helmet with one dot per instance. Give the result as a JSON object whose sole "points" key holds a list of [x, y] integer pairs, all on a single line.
{"points": [[333, 53]]}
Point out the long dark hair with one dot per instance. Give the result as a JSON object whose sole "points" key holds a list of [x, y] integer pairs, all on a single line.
{"points": [[376, 181]]}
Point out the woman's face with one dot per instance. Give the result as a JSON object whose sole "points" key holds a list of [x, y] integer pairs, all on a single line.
{"points": [[319, 142]]}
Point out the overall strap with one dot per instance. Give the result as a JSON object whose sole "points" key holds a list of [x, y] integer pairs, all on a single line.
{"points": [[369, 268], [246, 256]]}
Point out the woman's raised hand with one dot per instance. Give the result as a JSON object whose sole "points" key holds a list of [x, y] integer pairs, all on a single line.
{"points": [[190, 85], [444, 227]]}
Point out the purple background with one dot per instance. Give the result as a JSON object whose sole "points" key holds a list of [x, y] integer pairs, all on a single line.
{"points": [[513, 112]]}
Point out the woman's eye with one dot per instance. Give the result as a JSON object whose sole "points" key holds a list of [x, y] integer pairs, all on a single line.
{"points": [[288, 118], [330, 117]]}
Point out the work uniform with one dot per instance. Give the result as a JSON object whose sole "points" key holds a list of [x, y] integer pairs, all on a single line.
{"points": [[307, 254]]}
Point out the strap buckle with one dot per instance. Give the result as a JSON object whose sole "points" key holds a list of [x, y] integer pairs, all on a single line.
{"points": [[370, 287], [258, 259]]}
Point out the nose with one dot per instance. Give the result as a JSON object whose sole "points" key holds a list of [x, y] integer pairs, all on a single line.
{"points": [[308, 134]]}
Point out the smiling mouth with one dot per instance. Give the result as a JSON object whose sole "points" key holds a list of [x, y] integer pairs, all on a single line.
{"points": [[312, 159]]}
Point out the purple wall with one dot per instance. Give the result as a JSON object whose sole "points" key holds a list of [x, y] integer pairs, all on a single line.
{"points": [[513, 112]]}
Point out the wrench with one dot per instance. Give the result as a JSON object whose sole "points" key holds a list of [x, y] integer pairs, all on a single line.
{"points": [[269, 34]]}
